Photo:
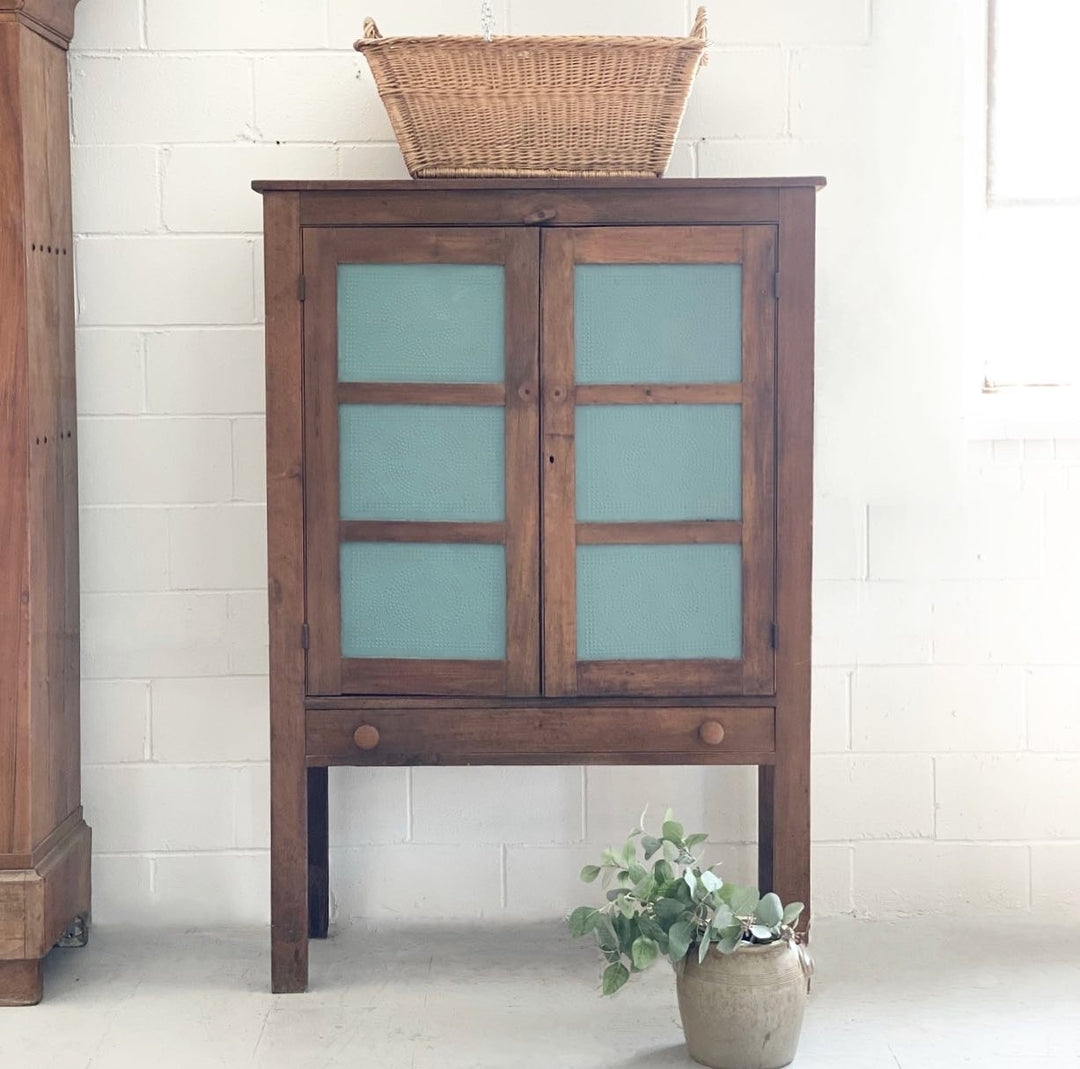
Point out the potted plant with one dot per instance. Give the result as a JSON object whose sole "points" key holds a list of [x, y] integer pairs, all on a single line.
{"points": [[741, 975]]}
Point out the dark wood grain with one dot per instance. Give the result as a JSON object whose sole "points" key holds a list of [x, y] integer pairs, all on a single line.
{"points": [[376, 675], [522, 485], [285, 546], [701, 532], [409, 531], [417, 205], [420, 393], [758, 457], [795, 497], [557, 463], [661, 393], [659, 245], [433, 736], [691, 676]]}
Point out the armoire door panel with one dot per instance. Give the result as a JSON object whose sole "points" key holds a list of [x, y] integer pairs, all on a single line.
{"points": [[421, 394], [658, 356]]}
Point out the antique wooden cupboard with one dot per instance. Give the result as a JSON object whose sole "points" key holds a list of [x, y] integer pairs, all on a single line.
{"points": [[539, 491], [44, 842]]}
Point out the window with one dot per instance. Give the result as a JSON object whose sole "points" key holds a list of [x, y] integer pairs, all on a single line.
{"points": [[1025, 239]]}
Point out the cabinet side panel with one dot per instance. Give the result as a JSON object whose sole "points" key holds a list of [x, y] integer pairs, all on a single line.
{"points": [[53, 519], [14, 565], [285, 527], [795, 414]]}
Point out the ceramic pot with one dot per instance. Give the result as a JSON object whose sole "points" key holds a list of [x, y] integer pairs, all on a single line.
{"points": [[743, 1010]]}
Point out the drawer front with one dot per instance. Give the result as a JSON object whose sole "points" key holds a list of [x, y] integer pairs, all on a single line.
{"points": [[537, 735]]}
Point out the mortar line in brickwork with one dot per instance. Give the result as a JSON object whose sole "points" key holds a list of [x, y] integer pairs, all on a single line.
{"points": [[502, 875], [143, 35], [584, 803], [408, 805]]}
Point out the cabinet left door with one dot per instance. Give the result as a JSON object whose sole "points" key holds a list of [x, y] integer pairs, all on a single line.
{"points": [[421, 378]]}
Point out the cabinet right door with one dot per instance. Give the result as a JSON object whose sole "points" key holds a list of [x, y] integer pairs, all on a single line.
{"points": [[658, 353]]}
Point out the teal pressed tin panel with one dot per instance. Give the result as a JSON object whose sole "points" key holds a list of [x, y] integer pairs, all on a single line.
{"points": [[423, 600], [421, 322], [659, 602], [658, 322], [422, 462], [658, 462]]}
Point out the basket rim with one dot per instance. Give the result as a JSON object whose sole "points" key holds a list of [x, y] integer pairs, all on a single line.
{"points": [[504, 41]]}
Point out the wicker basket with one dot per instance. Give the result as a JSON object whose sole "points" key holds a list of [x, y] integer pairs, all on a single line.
{"points": [[464, 107]]}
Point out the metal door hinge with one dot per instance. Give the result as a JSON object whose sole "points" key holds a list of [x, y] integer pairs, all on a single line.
{"points": [[776, 285], [774, 636], [305, 636], [301, 288]]}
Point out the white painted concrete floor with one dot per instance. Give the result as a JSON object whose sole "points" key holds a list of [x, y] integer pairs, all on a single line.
{"points": [[913, 994]]}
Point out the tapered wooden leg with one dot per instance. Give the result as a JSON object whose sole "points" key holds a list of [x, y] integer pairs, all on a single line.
{"points": [[765, 828], [20, 983], [318, 817]]}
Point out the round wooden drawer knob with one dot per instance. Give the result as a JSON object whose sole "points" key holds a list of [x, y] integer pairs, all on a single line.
{"points": [[366, 737], [712, 733]]}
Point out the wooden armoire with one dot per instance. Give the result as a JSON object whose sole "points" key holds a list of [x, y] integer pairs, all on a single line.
{"points": [[44, 842], [539, 491]]}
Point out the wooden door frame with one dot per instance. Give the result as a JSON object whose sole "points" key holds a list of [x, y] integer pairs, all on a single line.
{"points": [[754, 247], [517, 250]]}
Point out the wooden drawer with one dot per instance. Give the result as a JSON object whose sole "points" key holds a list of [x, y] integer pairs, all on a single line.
{"points": [[541, 735]]}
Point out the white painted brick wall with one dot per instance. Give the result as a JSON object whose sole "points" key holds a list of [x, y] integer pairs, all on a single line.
{"points": [[947, 645]]}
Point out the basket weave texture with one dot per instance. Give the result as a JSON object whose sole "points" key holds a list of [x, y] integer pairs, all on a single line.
{"points": [[463, 107]]}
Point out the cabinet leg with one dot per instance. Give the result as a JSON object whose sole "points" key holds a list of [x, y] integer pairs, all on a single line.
{"points": [[765, 827], [318, 817], [790, 791], [20, 983], [288, 870]]}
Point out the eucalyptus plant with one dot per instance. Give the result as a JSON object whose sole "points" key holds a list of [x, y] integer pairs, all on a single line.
{"points": [[667, 903]]}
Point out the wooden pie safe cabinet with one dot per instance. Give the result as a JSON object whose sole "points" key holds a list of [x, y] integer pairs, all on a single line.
{"points": [[539, 491]]}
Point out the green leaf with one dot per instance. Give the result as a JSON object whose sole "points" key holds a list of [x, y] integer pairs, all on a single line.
{"points": [[769, 911], [626, 907], [791, 912], [637, 873], [606, 935], [614, 977], [673, 831], [668, 908], [693, 840], [680, 936], [651, 928], [711, 881], [614, 893], [644, 951], [690, 880], [668, 815], [583, 920], [611, 858], [645, 889], [671, 851], [744, 901], [722, 917], [629, 852], [759, 931], [703, 949], [663, 872], [730, 937], [650, 845], [589, 873]]}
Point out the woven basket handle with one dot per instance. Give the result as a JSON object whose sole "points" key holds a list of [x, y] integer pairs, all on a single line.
{"points": [[371, 31], [700, 28]]}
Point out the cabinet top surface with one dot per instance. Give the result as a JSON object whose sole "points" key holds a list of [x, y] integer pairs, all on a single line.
{"points": [[274, 185]]}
